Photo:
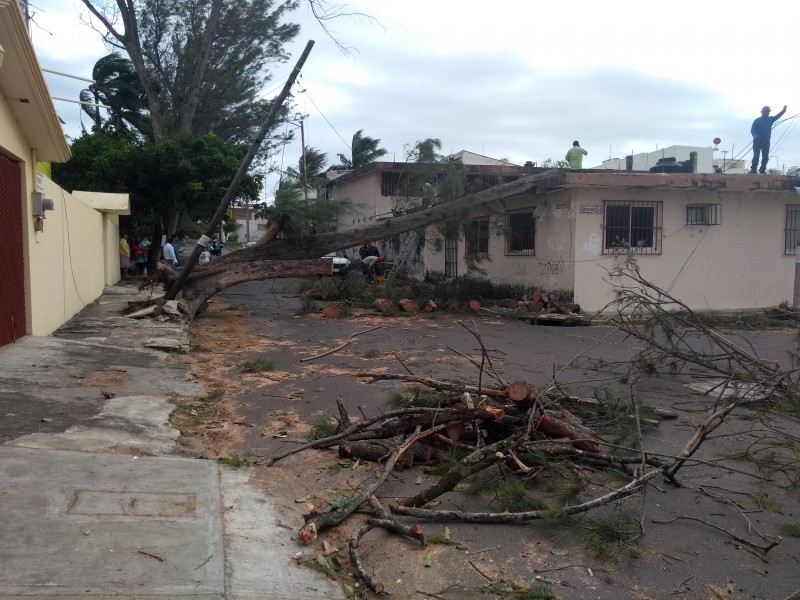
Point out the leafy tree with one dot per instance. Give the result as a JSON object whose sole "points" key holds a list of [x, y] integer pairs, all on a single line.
{"points": [[180, 175], [118, 88], [364, 150], [201, 63]]}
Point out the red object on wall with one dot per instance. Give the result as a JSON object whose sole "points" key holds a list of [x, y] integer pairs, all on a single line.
{"points": [[12, 267]]}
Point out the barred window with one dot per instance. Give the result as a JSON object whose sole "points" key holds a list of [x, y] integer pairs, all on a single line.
{"points": [[478, 237], [703, 214], [520, 232], [632, 226], [792, 231]]}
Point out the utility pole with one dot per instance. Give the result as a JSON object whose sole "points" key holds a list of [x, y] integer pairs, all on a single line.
{"points": [[305, 166]]}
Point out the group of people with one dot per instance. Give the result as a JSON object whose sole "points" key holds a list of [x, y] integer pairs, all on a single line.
{"points": [[761, 130], [137, 256]]}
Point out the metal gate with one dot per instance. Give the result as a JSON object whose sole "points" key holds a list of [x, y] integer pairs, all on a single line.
{"points": [[12, 268]]}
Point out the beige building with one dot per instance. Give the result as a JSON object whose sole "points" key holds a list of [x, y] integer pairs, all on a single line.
{"points": [[59, 250], [716, 241]]}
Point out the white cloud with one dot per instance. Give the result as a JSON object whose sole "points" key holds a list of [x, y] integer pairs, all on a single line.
{"points": [[521, 79]]}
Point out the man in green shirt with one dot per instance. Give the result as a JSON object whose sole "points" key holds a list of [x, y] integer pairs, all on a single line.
{"points": [[575, 156]]}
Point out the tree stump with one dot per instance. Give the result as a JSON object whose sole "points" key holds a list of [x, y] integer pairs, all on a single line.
{"points": [[408, 306], [384, 305], [474, 305], [510, 303], [429, 306], [535, 306], [331, 311]]}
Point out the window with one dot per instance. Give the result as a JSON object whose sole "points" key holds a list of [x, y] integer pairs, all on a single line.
{"points": [[478, 237], [450, 256], [634, 226], [703, 214], [792, 231], [520, 232]]}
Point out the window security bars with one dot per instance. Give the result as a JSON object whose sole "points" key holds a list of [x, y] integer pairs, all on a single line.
{"points": [[451, 257], [520, 232], [632, 227], [703, 214], [792, 231]]}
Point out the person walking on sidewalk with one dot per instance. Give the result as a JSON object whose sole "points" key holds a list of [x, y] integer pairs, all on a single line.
{"points": [[761, 131], [575, 156]]}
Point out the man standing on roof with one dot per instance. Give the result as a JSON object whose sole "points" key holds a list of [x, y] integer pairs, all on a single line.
{"points": [[575, 156], [761, 132]]}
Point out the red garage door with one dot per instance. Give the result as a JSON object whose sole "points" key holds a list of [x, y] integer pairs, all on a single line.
{"points": [[12, 269]]}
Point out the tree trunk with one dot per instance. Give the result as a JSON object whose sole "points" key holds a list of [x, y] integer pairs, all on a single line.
{"points": [[276, 258]]}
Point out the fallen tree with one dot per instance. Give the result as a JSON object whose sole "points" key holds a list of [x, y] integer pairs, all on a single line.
{"points": [[297, 257]]}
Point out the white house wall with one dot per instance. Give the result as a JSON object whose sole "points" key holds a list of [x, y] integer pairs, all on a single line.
{"points": [[363, 194], [738, 264], [551, 268]]}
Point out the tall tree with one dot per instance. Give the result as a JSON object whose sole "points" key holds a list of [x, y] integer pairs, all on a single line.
{"points": [[364, 150], [117, 87], [200, 52]]}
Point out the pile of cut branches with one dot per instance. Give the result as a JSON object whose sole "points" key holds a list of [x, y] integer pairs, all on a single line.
{"points": [[516, 429]]}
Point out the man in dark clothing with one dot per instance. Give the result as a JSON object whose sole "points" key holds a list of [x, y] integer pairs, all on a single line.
{"points": [[761, 132], [370, 255]]}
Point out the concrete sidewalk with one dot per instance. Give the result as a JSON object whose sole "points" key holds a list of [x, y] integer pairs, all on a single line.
{"points": [[95, 499]]}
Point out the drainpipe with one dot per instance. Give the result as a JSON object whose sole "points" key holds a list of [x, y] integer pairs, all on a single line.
{"points": [[693, 161], [629, 163]]}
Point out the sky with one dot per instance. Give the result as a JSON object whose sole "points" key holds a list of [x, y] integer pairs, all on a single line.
{"points": [[512, 79]]}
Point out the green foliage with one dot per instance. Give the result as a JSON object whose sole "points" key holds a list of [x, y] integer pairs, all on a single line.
{"points": [[607, 536], [322, 428], [234, 461], [298, 215], [508, 491], [117, 87], [555, 164], [540, 591], [792, 529], [364, 150], [621, 417], [181, 174], [258, 366], [204, 409], [416, 396], [338, 502], [371, 353]]}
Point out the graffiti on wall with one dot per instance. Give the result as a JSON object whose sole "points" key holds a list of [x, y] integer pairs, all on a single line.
{"points": [[553, 267]]}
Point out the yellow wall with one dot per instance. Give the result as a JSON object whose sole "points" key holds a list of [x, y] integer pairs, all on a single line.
{"points": [[68, 259]]}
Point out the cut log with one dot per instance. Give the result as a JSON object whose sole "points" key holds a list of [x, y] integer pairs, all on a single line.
{"points": [[510, 303], [553, 425], [377, 452], [535, 306], [518, 391], [408, 306], [452, 305], [536, 296], [474, 305], [331, 311], [384, 305], [429, 306]]}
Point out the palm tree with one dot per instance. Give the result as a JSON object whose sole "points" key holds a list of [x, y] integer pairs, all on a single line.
{"points": [[424, 151], [309, 165], [364, 151], [116, 86]]}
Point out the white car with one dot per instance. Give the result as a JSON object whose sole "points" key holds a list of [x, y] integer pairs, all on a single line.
{"points": [[341, 264]]}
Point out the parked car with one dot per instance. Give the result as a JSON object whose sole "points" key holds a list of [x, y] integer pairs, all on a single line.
{"points": [[341, 264]]}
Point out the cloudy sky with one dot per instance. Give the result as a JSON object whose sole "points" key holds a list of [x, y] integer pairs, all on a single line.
{"points": [[516, 79]]}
